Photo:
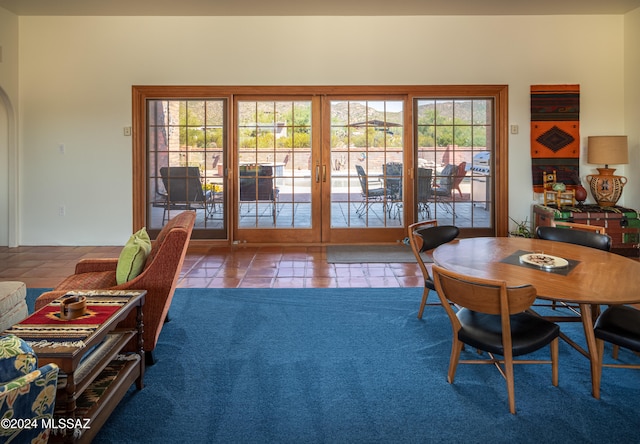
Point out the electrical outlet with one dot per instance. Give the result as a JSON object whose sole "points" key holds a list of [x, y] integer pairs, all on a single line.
{"points": [[514, 129], [127, 130]]}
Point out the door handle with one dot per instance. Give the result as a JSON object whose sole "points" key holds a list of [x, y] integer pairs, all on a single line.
{"points": [[324, 173], [317, 173]]}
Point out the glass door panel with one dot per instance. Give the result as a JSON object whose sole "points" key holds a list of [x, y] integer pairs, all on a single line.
{"points": [[274, 170], [186, 147], [365, 158], [455, 152], [321, 164]]}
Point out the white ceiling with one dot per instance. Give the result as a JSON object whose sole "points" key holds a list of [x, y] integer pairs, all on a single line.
{"points": [[315, 7]]}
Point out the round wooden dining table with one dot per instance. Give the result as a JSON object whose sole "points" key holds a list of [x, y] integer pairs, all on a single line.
{"points": [[592, 277]]}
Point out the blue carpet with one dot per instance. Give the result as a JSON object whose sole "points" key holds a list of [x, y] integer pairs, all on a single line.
{"points": [[351, 366]]}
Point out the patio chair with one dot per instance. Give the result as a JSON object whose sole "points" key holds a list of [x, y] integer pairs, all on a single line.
{"points": [[369, 195], [184, 190], [493, 318], [256, 185], [459, 177], [425, 178], [446, 178], [392, 173], [444, 187]]}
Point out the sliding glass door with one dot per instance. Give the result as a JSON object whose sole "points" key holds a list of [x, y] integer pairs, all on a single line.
{"points": [[277, 195], [320, 164], [455, 153], [186, 148], [365, 162], [295, 186]]}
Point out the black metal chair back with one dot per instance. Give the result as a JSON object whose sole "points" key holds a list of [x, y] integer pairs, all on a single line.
{"points": [[392, 173]]}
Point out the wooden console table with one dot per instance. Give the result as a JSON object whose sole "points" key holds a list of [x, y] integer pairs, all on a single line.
{"points": [[88, 350], [622, 224]]}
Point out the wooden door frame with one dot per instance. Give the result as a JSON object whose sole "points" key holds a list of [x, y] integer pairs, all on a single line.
{"points": [[499, 93], [278, 234], [343, 235]]}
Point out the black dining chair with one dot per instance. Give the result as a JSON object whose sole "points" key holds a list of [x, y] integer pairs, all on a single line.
{"points": [[493, 318], [424, 237], [575, 236], [620, 326]]}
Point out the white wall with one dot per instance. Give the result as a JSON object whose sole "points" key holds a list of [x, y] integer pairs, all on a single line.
{"points": [[76, 75], [632, 105], [8, 127], [4, 170]]}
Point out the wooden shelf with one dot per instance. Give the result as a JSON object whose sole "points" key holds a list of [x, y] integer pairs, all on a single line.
{"points": [[120, 374]]}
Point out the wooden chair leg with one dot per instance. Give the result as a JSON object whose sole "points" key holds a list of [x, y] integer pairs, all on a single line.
{"points": [[425, 295], [456, 348], [508, 370], [600, 351]]}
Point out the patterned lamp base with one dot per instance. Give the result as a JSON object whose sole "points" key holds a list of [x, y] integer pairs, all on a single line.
{"points": [[606, 188]]}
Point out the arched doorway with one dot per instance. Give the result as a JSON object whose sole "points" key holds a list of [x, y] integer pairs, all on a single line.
{"points": [[8, 169]]}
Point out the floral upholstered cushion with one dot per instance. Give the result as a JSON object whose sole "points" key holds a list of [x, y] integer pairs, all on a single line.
{"points": [[16, 358], [29, 397], [133, 256]]}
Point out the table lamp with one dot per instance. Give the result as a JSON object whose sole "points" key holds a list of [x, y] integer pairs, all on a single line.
{"points": [[606, 187]]}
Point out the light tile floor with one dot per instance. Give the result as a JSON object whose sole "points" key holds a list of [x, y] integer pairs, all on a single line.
{"points": [[220, 267]]}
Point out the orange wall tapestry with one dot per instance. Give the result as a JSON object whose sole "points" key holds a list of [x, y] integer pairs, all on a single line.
{"points": [[555, 134]]}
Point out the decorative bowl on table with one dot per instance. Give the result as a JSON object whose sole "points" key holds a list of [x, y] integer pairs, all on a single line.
{"points": [[543, 260]]}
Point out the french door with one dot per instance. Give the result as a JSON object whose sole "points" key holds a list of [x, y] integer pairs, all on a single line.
{"points": [[365, 159], [311, 169], [320, 164], [277, 150]]}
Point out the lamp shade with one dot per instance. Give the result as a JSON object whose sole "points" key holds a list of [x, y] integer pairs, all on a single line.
{"points": [[607, 150]]}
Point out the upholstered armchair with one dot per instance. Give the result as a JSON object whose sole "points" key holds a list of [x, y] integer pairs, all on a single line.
{"points": [[27, 393], [159, 277]]}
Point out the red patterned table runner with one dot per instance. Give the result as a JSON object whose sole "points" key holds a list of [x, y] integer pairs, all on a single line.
{"points": [[46, 328]]}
